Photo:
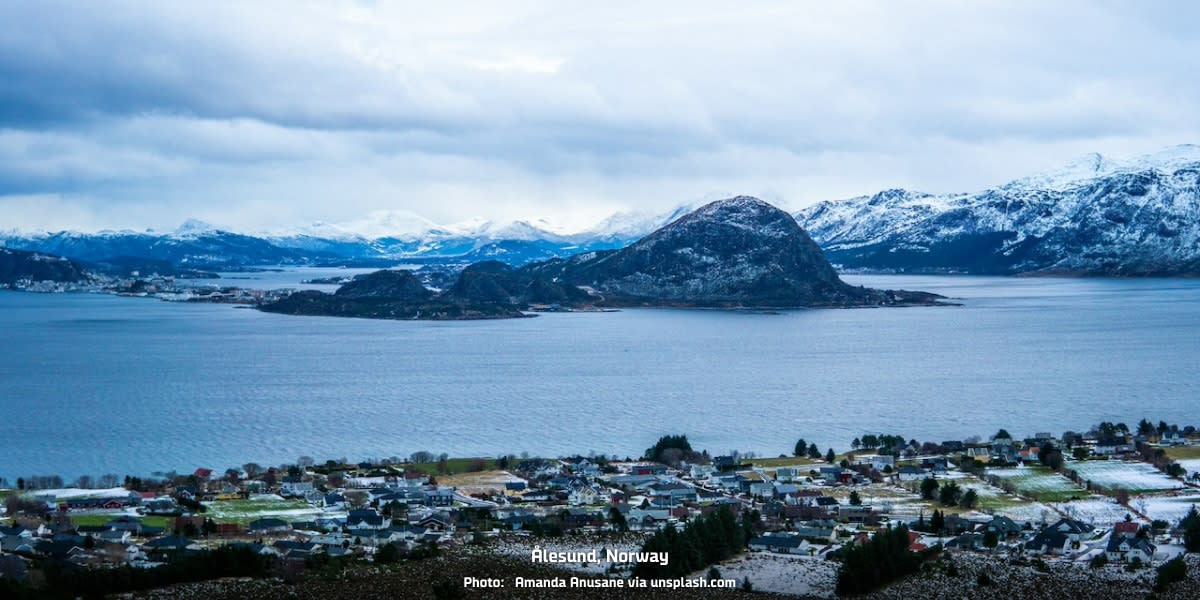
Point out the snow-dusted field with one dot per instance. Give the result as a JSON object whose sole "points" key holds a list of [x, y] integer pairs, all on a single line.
{"points": [[1169, 507], [1100, 511], [783, 574], [1037, 481], [1191, 465], [65, 493], [483, 481], [260, 506], [1032, 512], [894, 500], [1132, 476], [982, 488]]}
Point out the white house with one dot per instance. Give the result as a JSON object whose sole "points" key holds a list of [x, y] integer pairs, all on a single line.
{"points": [[366, 518], [779, 543], [583, 496], [881, 462], [1129, 549], [294, 485], [788, 474]]}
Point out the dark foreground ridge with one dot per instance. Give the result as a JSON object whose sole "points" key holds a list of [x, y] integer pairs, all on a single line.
{"points": [[17, 265], [734, 253]]}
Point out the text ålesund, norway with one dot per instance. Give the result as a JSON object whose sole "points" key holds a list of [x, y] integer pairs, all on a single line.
{"points": [[541, 555]]}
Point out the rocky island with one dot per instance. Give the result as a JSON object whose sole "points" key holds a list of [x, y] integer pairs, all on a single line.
{"points": [[735, 253]]}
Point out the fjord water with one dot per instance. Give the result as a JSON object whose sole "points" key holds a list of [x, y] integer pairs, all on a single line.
{"points": [[93, 384]]}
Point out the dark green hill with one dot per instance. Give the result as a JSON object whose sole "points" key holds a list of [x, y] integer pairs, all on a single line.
{"points": [[16, 265]]}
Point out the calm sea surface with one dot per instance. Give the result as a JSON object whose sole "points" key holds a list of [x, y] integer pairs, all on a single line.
{"points": [[93, 384]]}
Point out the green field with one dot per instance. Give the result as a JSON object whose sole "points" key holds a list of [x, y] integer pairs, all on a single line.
{"points": [[990, 499], [100, 519], [1183, 452], [786, 461], [244, 511], [1039, 483], [454, 465]]}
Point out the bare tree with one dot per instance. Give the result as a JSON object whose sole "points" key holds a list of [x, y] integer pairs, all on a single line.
{"points": [[109, 480], [357, 498], [1123, 497], [85, 482], [14, 505], [252, 469], [305, 462]]}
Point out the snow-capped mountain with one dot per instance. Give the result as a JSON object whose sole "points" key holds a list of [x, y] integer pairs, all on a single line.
{"points": [[193, 228], [626, 227], [377, 238], [192, 245], [401, 234], [1094, 216]]}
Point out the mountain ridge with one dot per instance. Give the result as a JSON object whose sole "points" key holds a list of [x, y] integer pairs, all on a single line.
{"points": [[1092, 216], [1133, 218], [734, 253]]}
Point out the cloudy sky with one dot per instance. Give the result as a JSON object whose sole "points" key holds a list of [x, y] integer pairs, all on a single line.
{"points": [[264, 114]]}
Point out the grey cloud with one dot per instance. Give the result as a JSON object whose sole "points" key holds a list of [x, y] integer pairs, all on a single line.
{"points": [[543, 108]]}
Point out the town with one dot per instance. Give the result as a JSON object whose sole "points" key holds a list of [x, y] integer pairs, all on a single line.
{"points": [[153, 285], [1116, 498]]}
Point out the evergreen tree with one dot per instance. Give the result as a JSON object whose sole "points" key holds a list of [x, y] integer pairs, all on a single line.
{"points": [[830, 456], [969, 499], [929, 487], [617, 519], [1145, 428], [950, 494], [1170, 572], [937, 523], [708, 540], [855, 499], [388, 554], [1191, 530], [801, 448], [668, 442], [881, 560], [750, 521]]}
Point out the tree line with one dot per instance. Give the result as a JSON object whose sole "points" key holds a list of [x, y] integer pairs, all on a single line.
{"points": [[882, 559], [705, 541], [68, 581]]}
